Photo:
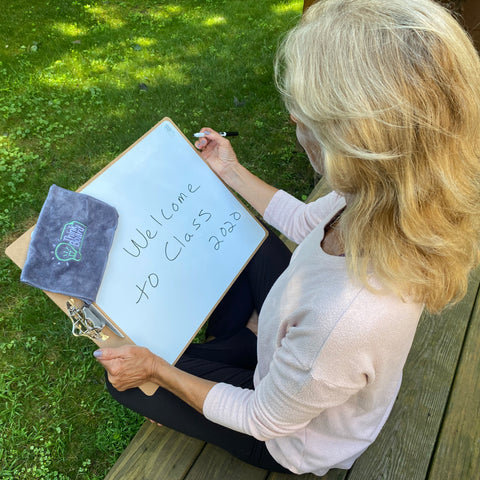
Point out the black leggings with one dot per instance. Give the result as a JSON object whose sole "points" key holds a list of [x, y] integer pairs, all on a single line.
{"points": [[231, 358]]}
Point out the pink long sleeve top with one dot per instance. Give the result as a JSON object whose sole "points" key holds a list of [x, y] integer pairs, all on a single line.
{"points": [[330, 353]]}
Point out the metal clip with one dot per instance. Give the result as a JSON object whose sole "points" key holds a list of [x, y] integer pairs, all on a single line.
{"points": [[85, 323]]}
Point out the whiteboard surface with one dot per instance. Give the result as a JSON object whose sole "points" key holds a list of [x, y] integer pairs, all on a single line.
{"points": [[182, 239]]}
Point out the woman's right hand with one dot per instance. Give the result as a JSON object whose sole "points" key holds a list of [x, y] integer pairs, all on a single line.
{"points": [[217, 152], [220, 156]]}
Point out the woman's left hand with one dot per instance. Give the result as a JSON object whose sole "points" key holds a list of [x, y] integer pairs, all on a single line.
{"points": [[129, 366]]}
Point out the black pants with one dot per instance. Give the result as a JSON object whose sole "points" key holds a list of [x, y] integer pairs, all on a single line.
{"points": [[231, 358]]}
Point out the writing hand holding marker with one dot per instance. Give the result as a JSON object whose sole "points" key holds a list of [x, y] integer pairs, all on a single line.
{"points": [[218, 153]]}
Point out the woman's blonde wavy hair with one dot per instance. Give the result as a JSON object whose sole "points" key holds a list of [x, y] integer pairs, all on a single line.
{"points": [[390, 91]]}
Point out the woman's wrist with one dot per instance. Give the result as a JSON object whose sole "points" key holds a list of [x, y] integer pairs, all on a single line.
{"points": [[254, 190], [191, 389], [159, 371], [235, 176]]}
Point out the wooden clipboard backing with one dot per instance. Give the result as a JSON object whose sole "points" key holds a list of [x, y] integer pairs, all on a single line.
{"points": [[17, 252]]}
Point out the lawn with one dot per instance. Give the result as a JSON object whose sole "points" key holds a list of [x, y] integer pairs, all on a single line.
{"points": [[80, 82]]}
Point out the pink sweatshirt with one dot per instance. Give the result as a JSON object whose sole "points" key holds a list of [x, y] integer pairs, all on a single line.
{"points": [[330, 353]]}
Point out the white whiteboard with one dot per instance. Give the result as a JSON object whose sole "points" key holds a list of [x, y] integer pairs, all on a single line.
{"points": [[182, 239]]}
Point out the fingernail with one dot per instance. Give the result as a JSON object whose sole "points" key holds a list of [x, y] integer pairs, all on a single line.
{"points": [[97, 353]]}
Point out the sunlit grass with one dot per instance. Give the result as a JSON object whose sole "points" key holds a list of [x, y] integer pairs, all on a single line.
{"points": [[106, 15], [70, 29], [209, 22], [293, 8], [80, 81]]}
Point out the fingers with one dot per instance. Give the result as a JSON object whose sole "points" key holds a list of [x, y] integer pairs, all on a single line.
{"points": [[210, 136], [112, 353], [201, 144], [106, 353]]}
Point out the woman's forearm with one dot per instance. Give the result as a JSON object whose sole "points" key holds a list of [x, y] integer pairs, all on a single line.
{"points": [[254, 190], [189, 388]]}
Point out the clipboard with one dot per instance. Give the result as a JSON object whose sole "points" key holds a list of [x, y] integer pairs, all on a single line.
{"points": [[182, 240]]}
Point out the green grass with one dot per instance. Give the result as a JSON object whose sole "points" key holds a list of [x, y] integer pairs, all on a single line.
{"points": [[80, 81]]}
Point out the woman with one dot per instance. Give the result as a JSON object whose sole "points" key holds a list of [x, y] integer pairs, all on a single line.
{"points": [[386, 99]]}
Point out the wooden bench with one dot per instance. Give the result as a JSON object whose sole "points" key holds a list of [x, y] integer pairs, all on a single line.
{"points": [[433, 431]]}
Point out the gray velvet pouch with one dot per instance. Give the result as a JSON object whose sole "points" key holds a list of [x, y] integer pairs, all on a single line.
{"points": [[70, 244]]}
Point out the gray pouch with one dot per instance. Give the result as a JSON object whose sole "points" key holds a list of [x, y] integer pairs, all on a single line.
{"points": [[70, 244]]}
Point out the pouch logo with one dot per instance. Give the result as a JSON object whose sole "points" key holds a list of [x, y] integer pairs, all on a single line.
{"points": [[71, 240]]}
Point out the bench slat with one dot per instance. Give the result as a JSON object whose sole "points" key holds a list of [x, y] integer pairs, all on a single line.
{"points": [[156, 453], [405, 446], [460, 435], [331, 475], [216, 464]]}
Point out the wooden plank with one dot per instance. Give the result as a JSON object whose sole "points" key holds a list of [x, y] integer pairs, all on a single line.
{"points": [[217, 464], [307, 3], [156, 453], [320, 189], [405, 446], [334, 474], [291, 476], [470, 10], [458, 451]]}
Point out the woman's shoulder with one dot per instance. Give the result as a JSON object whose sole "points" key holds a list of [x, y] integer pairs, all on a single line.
{"points": [[353, 321]]}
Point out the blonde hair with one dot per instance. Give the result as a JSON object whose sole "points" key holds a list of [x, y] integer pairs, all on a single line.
{"points": [[390, 91]]}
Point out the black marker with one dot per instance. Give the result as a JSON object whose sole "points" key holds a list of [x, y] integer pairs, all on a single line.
{"points": [[223, 134]]}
